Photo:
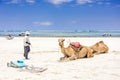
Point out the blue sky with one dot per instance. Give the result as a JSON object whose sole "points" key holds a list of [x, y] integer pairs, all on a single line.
{"points": [[59, 14]]}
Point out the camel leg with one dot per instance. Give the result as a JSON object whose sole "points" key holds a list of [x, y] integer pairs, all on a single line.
{"points": [[89, 53], [82, 53], [73, 57], [62, 58]]}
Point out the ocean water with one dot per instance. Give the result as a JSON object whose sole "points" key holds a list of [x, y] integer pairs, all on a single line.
{"points": [[66, 33]]}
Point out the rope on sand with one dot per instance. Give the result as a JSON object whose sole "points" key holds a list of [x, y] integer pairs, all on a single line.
{"points": [[33, 69]]}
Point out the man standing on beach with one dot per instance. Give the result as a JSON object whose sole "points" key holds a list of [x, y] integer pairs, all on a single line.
{"points": [[26, 44]]}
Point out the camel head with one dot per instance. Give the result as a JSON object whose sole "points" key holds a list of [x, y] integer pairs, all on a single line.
{"points": [[100, 47], [61, 41], [99, 43]]}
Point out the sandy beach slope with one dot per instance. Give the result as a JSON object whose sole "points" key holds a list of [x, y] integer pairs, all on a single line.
{"points": [[45, 52]]}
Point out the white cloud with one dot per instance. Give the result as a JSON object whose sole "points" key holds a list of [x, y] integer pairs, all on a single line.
{"points": [[84, 1], [19, 1], [31, 1], [13, 2], [56, 2], [108, 3], [47, 23]]}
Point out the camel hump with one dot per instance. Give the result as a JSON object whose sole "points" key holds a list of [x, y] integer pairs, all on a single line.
{"points": [[75, 44]]}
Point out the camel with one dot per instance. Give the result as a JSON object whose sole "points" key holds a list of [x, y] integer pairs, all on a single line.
{"points": [[71, 54], [67, 52], [99, 47]]}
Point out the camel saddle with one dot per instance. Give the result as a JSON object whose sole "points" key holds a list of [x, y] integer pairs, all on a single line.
{"points": [[76, 46]]}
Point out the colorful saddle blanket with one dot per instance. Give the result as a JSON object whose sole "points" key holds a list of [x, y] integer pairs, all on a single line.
{"points": [[75, 44]]}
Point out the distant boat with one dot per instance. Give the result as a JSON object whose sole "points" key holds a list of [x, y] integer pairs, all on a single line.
{"points": [[9, 37], [22, 34], [105, 34]]}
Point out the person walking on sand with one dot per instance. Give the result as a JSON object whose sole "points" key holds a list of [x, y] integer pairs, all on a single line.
{"points": [[26, 44]]}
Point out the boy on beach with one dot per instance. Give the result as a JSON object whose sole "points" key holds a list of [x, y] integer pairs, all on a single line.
{"points": [[26, 44]]}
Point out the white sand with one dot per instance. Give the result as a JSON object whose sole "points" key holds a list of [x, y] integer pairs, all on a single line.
{"points": [[45, 52]]}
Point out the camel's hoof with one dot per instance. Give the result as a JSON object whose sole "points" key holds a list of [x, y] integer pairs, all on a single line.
{"points": [[62, 58], [66, 59]]}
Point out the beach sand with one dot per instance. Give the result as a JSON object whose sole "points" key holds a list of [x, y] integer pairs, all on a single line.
{"points": [[46, 53]]}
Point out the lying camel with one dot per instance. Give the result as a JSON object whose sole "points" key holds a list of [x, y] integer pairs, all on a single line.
{"points": [[67, 52], [71, 54], [99, 47]]}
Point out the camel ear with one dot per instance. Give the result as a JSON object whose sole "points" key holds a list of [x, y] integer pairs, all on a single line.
{"points": [[97, 44], [101, 42], [61, 40]]}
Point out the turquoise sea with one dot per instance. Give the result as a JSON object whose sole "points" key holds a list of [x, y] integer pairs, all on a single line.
{"points": [[66, 33]]}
